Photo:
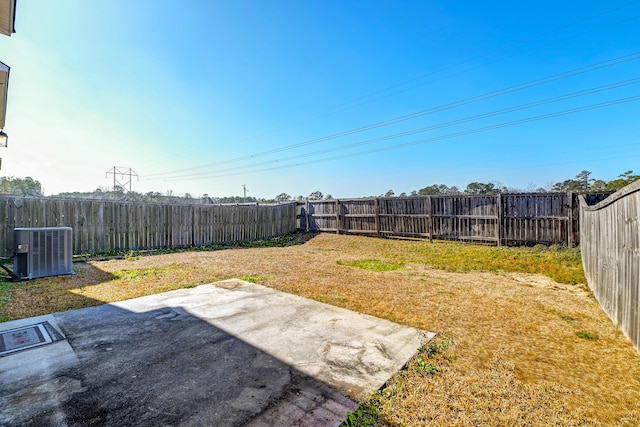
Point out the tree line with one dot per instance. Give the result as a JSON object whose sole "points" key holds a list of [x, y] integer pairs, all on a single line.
{"points": [[581, 183]]}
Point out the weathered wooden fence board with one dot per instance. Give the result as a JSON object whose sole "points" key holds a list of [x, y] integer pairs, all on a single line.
{"points": [[513, 219], [610, 247], [465, 217], [107, 226], [404, 216]]}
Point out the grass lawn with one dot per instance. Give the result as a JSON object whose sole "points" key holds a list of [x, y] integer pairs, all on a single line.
{"points": [[521, 340]]}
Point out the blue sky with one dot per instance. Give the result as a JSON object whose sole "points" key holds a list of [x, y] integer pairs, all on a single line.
{"points": [[298, 96]]}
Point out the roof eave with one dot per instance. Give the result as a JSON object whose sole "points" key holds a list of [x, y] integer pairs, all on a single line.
{"points": [[7, 17]]}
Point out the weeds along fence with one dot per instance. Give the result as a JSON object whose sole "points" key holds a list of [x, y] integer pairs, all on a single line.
{"points": [[610, 247], [510, 219], [101, 226]]}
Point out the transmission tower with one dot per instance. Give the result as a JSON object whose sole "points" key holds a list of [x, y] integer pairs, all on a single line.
{"points": [[122, 178]]}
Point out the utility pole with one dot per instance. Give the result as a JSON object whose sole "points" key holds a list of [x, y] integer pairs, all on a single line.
{"points": [[244, 189], [122, 177]]}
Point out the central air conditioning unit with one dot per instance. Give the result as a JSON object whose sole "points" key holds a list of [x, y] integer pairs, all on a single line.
{"points": [[41, 252]]}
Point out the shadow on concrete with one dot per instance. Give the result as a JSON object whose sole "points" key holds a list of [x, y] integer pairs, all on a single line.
{"points": [[160, 367], [141, 363]]}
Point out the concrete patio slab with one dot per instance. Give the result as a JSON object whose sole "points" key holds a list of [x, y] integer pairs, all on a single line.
{"points": [[230, 353]]}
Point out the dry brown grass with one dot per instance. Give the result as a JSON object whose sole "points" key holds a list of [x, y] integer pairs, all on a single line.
{"points": [[517, 359]]}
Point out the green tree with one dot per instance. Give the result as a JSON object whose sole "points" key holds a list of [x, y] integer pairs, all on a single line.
{"points": [[580, 183], [481, 188], [623, 180], [283, 197], [206, 199], [598, 185], [20, 186], [584, 180], [567, 185], [433, 190], [316, 195]]}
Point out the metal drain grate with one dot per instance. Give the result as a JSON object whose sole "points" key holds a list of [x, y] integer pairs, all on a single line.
{"points": [[27, 337]]}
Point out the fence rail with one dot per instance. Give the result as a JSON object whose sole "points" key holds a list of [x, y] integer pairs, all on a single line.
{"points": [[610, 247], [107, 226], [512, 219]]}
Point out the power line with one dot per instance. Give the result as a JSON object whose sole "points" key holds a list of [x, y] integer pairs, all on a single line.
{"points": [[489, 95], [585, 92], [339, 107], [437, 138], [499, 49], [448, 76], [523, 41], [510, 89], [429, 128]]}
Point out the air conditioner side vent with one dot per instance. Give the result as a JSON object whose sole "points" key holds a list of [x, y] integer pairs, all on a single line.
{"points": [[41, 252]]}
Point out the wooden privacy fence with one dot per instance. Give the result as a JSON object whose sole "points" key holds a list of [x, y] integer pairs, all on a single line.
{"points": [[106, 226], [610, 247], [516, 219]]}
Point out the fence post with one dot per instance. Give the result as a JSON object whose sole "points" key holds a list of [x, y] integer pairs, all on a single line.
{"points": [[337, 209], [306, 213], [570, 221], [377, 209], [193, 226], [431, 226], [500, 220]]}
